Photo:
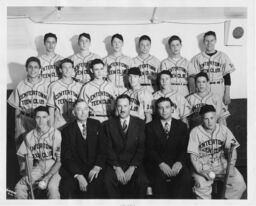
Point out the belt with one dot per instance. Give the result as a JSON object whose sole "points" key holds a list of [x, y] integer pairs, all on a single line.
{"points": [[217, 82], [179, 84], [147, 84], [27, 114]]}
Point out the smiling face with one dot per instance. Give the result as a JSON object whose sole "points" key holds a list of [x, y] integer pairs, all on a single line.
{"points": [[98, 71], [123, 108], [209, 42], [81, 111], [165, 81], [117, 44], [144, 46], [175, 47], [165, 110], [67, 70], [209, 120], [201, 84], [33, 69], [84, 43], [42, 119], [50, 44], [134, 80]]}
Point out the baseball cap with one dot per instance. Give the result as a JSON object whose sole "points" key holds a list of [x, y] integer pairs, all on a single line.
{"points": [[134, 70]]}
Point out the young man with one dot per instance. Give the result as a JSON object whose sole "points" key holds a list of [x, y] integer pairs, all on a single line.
{"points": [[148, 64], [181, 105], [41, 145], [179, 67], [62, 94], [118, 64], [28, 95], [141, 97], [99, 94], [217, 65], [83, 59], [166, 140], [207, 145], [82, 156], [202, 97], [50, 60]]}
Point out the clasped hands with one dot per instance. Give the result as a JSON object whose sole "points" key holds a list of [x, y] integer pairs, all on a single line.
{"points": [[124, 177], [168, 171]]}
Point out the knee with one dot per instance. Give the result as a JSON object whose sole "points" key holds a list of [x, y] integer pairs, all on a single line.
{"points": [[21, 190]]}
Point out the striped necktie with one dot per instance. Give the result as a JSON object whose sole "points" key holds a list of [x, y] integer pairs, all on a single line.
{"points": [[125, 126], [84, 131], [166, 129]]}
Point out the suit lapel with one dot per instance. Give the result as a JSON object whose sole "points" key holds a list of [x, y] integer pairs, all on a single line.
{"points": [[160, 131], [173, 129], [131, 130]]}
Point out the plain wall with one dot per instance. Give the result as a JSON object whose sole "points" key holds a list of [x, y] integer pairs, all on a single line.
{"points": [[25, 39]]}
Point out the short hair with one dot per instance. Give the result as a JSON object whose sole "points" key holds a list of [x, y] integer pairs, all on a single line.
{"points": [[210, 33], [174, 37], [78, 101], [33, 59], [86, 35], [165, 72], [41, 109], [206, 108], [66, 60], [46, 36], [134, 71], [164, 99], [96, 61], [202, 74], [144, 37], [123, 96], [118, 36]]}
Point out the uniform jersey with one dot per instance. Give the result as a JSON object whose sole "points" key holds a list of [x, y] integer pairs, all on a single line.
{"points": [[41, 147], [209, 148], [82, 68], [149, 68], [117, 69], [181, 105], [216, 66], [61, 96], [50, 67], [180, 70], [196, 102], [100, 98], [141, 102]]}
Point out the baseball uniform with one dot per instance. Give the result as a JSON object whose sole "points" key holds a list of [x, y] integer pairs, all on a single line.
{"points": [[117, 68], [216, 66], [181, 105], [149, 68], [209, 148], [26, 97], [50, 67], [180, 70], [61, 96], [141, 102], [100, 98], [196, 102], [45, 150], [82, 68]]}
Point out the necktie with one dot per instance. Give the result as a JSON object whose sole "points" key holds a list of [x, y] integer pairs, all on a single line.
{"points": [[84, 131], [166, 129], [125, 126]]}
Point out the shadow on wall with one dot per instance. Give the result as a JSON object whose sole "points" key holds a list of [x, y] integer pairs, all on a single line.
{"points": [[17, 72], [107, 42], [166, 46], [136, 41], [74, 43], [200, 40], [39, 42]]}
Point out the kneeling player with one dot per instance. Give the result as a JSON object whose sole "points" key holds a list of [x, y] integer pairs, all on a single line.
{"points": [[207, 143], [42, 146]]}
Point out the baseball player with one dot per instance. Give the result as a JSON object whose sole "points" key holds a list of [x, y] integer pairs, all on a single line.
{"points": [[141, 97], [83, 59], [202, 97], [99, 94], [179, 67], [149, 65], [217, 65], [62, 94], [29, 94], [50, 60], [118, 64], [42, 145], [207, 143], [181, 105]]}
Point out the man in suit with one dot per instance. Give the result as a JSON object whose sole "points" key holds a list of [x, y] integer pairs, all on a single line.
{"points": [[82, 156], [166, 146], [125, 136]]}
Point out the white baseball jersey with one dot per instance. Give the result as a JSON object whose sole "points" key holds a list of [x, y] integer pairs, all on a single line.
{"points": [[180, 70], [50, 67], [149, 68], [82, 68], [100, 98], [216, 66], [41, 147], [141, 102], [181, 105], [209, 148], [117, 69], [61, 96]]}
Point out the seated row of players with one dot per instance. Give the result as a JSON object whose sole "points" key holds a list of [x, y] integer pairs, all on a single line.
{"points": [[93, 160]]}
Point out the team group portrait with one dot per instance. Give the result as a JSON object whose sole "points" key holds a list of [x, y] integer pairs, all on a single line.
{"points": [[109, 125]]}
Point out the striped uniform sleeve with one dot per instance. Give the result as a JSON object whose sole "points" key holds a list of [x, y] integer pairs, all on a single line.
{"points": [[184, 107], [57, 145], [191, 69], [230, 139], [193, 142], [228, 65], [50, 97], [147, 99], [163, 66], [195, 63], [14, 99]]}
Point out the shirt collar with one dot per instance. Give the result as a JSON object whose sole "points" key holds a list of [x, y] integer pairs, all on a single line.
{"points": [[168, 121], [127, 120], [80, 124]]}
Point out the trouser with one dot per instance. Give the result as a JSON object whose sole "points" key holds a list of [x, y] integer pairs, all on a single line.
{"points": [[234, 189], [37, 174], [136, 187]]}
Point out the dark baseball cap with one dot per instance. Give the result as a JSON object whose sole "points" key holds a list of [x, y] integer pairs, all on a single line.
{"points": [[135, 71]]}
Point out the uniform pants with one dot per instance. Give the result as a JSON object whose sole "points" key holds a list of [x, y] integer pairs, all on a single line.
{"points": [[37, 173], [235, 186]]}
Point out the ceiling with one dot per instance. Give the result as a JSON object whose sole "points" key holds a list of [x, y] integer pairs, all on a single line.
{"points": [[125, 14]]}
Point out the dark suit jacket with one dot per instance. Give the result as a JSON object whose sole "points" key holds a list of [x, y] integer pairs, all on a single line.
{"points": [[125, 150], [73, 151], [160, 149]]}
